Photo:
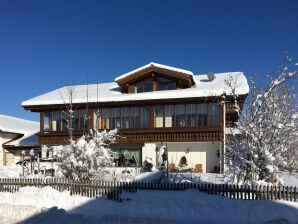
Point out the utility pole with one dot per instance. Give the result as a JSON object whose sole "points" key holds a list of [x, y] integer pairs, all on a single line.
{"points": [[223, 148]]}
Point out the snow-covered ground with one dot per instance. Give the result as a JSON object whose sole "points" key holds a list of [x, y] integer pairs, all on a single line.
{"points": [[46, 205]]}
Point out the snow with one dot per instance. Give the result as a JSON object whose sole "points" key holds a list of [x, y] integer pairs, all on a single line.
{"points": [[46, 205], [154, 65], [12, 171], [110, 92], [29, 129], [30, 139], [17, 125]]}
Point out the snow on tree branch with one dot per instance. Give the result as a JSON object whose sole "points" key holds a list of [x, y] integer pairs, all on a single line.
{"points": [[88, 155], [265, 137]]}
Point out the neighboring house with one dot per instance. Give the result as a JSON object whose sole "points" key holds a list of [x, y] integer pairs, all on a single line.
{"points": [[152, 106], [17, 138]]}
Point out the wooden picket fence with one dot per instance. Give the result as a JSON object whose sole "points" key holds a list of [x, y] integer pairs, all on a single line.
{"points": [[113, 190]]}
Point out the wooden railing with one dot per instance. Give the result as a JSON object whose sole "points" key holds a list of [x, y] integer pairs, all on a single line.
{"points": [[112, 189], [57, 137], [171, 135], [146, 135]]}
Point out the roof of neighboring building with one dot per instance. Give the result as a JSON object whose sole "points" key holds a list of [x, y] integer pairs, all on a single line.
{"points": [[111, 92], [20, 126], [26, 140], [17, 125]]}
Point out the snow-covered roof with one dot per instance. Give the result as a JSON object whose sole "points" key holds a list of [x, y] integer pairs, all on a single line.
{"points": [[27, 128], [26, 140], [111, 92], [153, 64], [18, 125]]}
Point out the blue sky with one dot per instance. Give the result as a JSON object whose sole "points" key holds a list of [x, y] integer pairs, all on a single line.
{"points": [[47, 44]]}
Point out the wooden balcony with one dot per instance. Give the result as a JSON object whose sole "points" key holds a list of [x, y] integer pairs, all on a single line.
{"points": [[57, 137], [171, 135], [202, 134]]}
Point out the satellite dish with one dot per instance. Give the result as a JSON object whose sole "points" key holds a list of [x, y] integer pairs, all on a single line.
{"points": [[210, 75]]}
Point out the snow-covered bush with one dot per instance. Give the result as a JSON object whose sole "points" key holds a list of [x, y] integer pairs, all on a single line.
{"points": [[147, 165], [264, 141], [161, 157], [87, 156]]}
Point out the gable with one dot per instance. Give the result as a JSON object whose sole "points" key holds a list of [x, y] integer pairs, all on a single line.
{"points": [[155, 72]]}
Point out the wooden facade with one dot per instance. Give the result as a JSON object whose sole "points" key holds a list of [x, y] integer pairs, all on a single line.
{"points": [[150, 134], [141, 136], [150, 78]]}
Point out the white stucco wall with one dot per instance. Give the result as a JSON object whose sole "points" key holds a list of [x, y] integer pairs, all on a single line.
{"points": [[4, 138], [149, 150], [13, 156], [195, 152], [44, 149]]}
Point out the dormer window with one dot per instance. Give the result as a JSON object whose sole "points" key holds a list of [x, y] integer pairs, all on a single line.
{"points": [[144, 86], [154, 84], [155, 77], [165, 84]]}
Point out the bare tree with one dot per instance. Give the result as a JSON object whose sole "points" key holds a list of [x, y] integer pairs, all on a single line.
{"points": [[69, 112]]}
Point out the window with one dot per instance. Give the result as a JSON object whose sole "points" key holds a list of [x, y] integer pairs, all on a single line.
{"points": [[134, 117], [158, 116], [115, 118], [97, 119], [213, 114], [180, 115], [128, 157], [75, 120], [145, 118], [56, 121], [60, 120], [191, 115], [65, 121], [46, 120], [124, 117], [165, 84], [169, 115], [202, 113], [106, 118], [83, 120], [144, 86]]}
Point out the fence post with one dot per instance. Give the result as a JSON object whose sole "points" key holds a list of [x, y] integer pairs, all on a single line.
{"points": [[290, 193], [226, 193], [254, 189], [233, 190], [282, 193], [263, 196], [237, 191]]}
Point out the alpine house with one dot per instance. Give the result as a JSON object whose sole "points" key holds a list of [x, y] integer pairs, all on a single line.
{"points": [[152, 106]]}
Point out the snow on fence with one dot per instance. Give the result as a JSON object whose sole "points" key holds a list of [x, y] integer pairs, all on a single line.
{"points": [[113, 190]]}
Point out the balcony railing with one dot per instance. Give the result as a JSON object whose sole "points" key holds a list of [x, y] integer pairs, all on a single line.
{"points": [[146, 135]]}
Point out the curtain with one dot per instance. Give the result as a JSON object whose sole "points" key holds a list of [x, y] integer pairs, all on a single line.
{"points": [[129, 154]]}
